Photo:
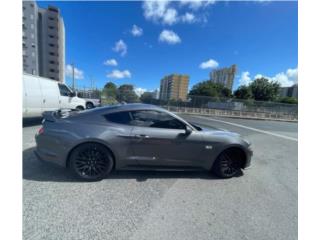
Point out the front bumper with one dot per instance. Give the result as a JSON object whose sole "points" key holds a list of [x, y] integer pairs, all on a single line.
{"points": [[249, 154]]}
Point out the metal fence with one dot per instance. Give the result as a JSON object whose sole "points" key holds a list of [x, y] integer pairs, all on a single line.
{"points": [[209, 105]]}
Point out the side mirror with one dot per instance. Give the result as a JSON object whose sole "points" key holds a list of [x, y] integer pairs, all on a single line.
{"points": [[73, 94], [188, 130]]}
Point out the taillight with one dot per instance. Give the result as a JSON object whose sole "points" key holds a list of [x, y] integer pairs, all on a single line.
{"points": [[41, 130]]}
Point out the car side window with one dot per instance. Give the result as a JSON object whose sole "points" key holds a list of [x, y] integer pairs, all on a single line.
{"points": [[155, 119], [64, 91], [118, 117]]}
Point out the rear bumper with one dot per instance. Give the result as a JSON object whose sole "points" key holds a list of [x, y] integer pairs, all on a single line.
{"points": [[47, 151]]}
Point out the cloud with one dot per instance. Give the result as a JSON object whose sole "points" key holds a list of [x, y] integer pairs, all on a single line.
{"points": [[245, 78], [288, 78], [78, 74], [196, 4], [165, 12], [120, 47], [155, 10], [209, 64], [169, 37], [117, 74], [285, 79], [139, 91], [136, 31], [170, 16], [188, 18], [111, 62]]}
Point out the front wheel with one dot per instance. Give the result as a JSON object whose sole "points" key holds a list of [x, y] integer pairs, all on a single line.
{"points": [[228, 164], [91, 161], [79, 108]]}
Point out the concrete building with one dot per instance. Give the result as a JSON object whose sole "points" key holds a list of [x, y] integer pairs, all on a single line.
{"points": [[224, 76], [174, 87], [43, 41], [289, 91]]}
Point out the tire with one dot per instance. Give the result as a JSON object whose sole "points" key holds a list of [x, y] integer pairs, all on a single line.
{"points": [[91, 161], [228, 164], [79, 108], [89, 105]]}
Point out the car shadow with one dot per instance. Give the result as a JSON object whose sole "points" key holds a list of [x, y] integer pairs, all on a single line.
{"points": [[36, 170]]}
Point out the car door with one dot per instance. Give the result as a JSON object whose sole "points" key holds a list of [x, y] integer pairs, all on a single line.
{"points": [[50, 94], [161, 140], [65, 98], [32, 96]]}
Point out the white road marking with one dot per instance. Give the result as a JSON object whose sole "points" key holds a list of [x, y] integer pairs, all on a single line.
{"points": [[250, 128]]}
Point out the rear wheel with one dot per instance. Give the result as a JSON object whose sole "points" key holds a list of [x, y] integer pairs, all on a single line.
{"points": [[91, 161], [228, 163], [89, 105]]}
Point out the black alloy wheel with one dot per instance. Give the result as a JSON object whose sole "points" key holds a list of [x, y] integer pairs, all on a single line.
{"points": [[91, 161], [226, 165]]}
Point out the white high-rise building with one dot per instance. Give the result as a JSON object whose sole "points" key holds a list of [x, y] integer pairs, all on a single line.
{"points": [[43, 41]]}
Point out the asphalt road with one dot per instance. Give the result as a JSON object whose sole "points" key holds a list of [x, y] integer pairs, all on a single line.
{"points": [[260, 204]]}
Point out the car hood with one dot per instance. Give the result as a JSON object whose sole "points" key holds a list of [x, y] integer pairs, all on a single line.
{"points": [[226, 133]]}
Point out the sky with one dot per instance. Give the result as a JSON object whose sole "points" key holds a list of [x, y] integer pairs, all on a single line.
{"points": [[140, 42]]}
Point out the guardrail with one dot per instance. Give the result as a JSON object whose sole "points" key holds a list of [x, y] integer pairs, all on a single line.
{"points": [[277, 116]]}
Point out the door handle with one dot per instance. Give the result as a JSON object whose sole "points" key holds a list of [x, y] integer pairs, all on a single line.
{"points": [[141, 136]]}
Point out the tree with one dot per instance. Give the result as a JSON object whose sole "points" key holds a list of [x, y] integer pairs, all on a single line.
{"points": [[289, 100], [146, 97], [207, 91], [243, 92], [127, 94], [210, 89], [110, 89], [264, 90]]}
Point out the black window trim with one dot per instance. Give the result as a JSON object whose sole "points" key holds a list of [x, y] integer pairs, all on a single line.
{"points": [[151, 110]]}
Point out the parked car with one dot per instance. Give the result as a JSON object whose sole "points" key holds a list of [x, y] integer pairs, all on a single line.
{"points": [[92, 102], [43, 94], [136, 136]]}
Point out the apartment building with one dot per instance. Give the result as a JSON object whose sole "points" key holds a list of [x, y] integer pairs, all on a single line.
{"points": [[174, 87], [43, 41], [224, 76]]}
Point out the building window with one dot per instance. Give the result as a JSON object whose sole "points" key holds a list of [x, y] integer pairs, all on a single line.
{"points": [[32, 35], [31, 16], [51, 44], [51, 27], [52, 70], [51, 36], [33, 71], [33, 54], [32, 5], [51, 18], [51, 53], [52, 62], [32, 26], [33, 45]]}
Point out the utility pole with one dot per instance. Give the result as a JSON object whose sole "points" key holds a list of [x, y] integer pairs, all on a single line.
{"points": [[73, 83]]}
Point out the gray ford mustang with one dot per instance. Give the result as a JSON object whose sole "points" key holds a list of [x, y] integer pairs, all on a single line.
{"points": [[136, 136]]}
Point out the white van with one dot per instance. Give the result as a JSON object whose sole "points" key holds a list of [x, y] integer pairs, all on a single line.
{"points": [[43, 94]]}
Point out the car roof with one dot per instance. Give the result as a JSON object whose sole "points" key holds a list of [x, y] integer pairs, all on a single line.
{"points": [[122, 107]]}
